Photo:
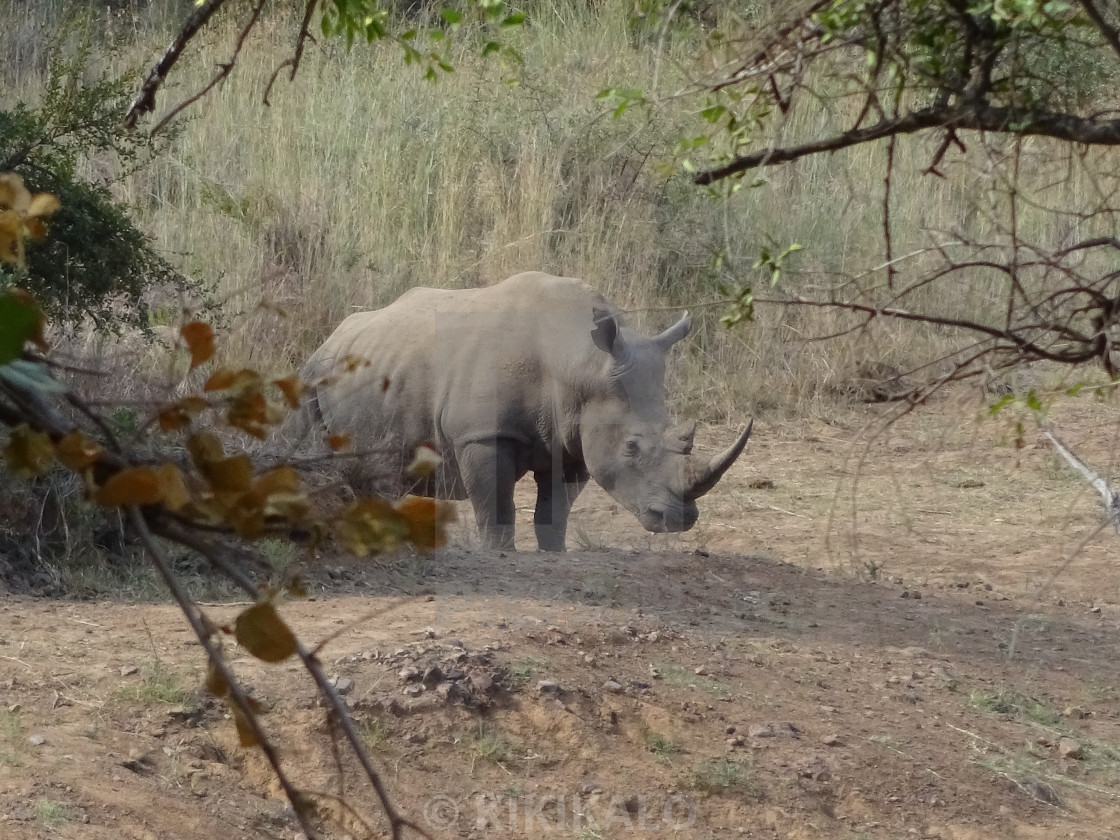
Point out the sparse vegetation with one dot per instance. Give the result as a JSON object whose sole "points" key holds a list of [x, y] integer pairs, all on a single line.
{"points": [[1013, 705], [721, 775], [52, 814], [491, 745], [156, 684], [375, 735], [660, 745], [524, 670]]}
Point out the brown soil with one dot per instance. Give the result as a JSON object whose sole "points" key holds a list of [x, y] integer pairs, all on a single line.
{"points": [[798, 666]]}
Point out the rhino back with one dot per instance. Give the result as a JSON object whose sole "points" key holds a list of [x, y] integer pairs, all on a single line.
{"points": [[449, 366]]}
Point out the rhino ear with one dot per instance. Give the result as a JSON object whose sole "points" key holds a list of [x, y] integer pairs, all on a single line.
{"points": [[675, 333], [605, 335]]}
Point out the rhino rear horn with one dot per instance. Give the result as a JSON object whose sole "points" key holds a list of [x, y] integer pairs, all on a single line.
{"points": [[704, 477]]}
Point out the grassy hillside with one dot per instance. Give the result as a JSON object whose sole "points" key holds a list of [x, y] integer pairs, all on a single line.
{"points": [[362, 180]]}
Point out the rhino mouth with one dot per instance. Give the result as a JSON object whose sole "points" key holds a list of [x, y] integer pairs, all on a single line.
{"points": [[662, 519]]}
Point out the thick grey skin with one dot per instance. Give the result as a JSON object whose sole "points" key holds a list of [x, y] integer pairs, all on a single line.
{"points": [[534, 374]]}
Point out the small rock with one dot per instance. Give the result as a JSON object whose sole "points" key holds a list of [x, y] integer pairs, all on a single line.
{"points": [[760, 730], [36, 740], [1069, 748], [1096, 610], [1075, 712], [129, 670], [432, 677], [343, 685], [735, 741], [653, 636], [730, 730], [414, 690], [612, 686], [409, 674], [832, 741], [548, 687], [15, 707]]}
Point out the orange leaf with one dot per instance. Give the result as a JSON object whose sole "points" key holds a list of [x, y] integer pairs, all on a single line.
{"points": [[241, 382], [292, 389], [77, 451], [132, 486], [180, 414], [262, 632], [245, 734], [427, 520], [233, 474], [338, 442], [199, 337], [215, 683]]}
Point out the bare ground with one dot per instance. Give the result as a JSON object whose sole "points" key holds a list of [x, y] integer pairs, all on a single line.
{"points": [[919, 663]]}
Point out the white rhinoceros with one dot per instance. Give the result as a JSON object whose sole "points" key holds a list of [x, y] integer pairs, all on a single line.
{"points": [[536, 373]]}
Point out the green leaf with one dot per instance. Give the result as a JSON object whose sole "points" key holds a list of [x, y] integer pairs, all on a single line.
{"points": [[491, 47], [713, 113], [453, 17], [18, 321], [516, 19]]}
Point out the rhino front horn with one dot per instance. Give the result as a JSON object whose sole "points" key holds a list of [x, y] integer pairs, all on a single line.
{"points": [[705, 476]]}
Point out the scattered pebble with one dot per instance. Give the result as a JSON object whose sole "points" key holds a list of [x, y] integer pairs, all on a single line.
{"points": [[612, 686], [129, 670]]}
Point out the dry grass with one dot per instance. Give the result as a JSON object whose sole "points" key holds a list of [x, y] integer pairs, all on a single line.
{"points": [[362, 180]]}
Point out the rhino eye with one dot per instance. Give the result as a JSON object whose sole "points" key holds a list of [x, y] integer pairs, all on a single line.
{"points": [[632, 447]]}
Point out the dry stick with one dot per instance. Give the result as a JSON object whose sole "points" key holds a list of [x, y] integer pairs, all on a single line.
{"points": [[346, 724], [213, 653], [145, 101], [293, 62], [315, 668], [223, 70]]}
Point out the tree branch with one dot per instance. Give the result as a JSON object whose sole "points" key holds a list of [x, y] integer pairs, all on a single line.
{"points": [[145, 101], [1091, 132]]}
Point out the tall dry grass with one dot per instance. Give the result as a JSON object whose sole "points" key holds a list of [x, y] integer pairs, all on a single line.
{"points": [[362, 180]]}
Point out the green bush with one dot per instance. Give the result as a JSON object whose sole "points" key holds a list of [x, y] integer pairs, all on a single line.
{"points": [[96, 263]]}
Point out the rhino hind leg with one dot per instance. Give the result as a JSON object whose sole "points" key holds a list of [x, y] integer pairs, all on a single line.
{"points": [[556, 492], [490, 470]]}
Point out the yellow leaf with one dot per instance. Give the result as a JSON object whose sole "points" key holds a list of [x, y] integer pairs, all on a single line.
{"points": [[233, 474], [424, 462], [42, 204], [371, 526], [427, 520], [292, 389], [205, 448], [262, 632], [29, 452], [76, 451], [199, 337], [11, 237], [173, 490], [13, 194], [132, 486]]}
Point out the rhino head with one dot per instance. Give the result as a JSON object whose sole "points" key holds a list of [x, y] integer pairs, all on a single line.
{"points": [[629, 445]]}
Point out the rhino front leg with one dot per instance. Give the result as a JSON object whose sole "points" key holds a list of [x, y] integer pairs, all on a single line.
{"points": [[489, 471], [556, 492]]}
